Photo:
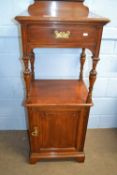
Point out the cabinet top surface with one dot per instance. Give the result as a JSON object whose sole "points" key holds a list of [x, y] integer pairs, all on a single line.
{"points": [[59, 11], [57, 92]]}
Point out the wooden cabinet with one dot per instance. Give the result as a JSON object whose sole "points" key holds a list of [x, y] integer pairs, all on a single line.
{"points": [[58, 110]]}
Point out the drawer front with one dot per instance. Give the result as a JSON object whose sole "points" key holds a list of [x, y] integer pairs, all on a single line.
{"points": [[60, 34]]}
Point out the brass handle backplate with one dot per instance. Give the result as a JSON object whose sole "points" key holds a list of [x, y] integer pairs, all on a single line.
{"points": [[35, 131], [62, 35]]}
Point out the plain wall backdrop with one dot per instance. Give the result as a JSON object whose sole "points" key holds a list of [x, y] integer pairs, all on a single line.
{"points": [[56, 64]]}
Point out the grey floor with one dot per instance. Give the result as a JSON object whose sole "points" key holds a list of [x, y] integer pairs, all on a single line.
{"points": [[100, 149]]}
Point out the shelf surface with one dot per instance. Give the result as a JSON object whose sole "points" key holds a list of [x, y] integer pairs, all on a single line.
{"points": [[57, 92]]}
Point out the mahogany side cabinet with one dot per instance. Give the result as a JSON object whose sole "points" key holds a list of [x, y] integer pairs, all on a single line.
{"points": [[58, 110]]}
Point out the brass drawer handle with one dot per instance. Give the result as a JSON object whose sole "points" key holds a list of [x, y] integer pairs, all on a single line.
{"points": [[35, 131], [62, 35]]}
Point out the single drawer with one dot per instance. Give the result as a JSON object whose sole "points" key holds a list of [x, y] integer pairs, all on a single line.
{"points": [[60, 34]]}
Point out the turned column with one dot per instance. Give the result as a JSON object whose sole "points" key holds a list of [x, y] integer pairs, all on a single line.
{"points": [[32, 61], [82, 61], [27, 74], [92, 78]]}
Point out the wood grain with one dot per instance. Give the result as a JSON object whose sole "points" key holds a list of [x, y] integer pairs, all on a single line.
{"points": [[58, 110], [57, 92]]}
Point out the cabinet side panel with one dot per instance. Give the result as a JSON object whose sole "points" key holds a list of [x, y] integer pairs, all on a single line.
{"points": [[82, 128]]}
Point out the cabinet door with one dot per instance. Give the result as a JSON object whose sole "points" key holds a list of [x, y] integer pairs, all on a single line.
{"points": [[56, 130], [59, 130]]}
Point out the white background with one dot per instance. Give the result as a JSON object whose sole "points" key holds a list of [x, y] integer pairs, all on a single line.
{"points": [[56, 63]]}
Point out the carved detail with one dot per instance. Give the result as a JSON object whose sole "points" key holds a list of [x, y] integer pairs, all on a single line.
{"points": [[27, 74], [92, 79], [82, 61], [32, 60], [62, 35], [26, 63]]}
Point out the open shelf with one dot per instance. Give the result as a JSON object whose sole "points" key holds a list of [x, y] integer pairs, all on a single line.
{"points": [[57, 92]]}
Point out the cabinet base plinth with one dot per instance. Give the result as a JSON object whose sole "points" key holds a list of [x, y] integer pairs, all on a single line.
{"points": [[35, 157]]}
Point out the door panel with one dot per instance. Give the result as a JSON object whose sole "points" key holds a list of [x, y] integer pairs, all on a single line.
{"points": [[55, 131], [59, 129]]}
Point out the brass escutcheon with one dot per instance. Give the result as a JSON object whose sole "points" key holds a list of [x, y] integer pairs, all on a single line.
{"points": [[35, 131], [62, 35]]}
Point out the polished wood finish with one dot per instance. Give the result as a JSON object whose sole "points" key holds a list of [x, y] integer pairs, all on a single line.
{"points": [[58, 9], [50, 92], [82, 61], [58, 110], [32, 61]]}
